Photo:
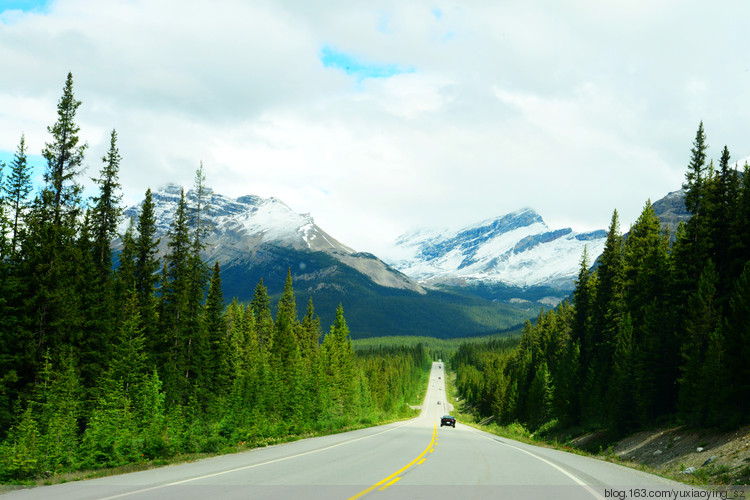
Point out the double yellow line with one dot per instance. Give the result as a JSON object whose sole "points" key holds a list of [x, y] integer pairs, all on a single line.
{"points": [[393, 478]]}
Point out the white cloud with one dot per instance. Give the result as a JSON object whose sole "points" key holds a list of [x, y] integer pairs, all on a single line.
{"points": [[572, 108]]}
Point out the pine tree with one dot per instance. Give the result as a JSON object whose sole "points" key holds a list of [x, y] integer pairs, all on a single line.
{"points": [[261, 307], [196, 346], [214, 322], [58, 399], [338, 364], [145, 265], [174, 304], [285, 357], [621, 392], [703, 319], [107, 210], [540, 397], [11, 339], [606, 317], [310, 333], [583, 299], [740, 229], [737, 343], [646, 285], [694, 178], [22, 457], [4, 221], [17, 188], [64, 157], [51, 258], [129, 361]]}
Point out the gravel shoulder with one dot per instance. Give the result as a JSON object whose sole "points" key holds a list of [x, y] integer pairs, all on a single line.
{"points": [[689, 455]]}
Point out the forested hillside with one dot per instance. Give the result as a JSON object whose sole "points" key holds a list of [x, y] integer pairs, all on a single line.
{"points": [[101, 367], [659, 330]]}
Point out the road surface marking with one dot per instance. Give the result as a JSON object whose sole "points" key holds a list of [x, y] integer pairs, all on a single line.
{"points": [[389, 484], [551, 464], [245, 467], [402, 469]]}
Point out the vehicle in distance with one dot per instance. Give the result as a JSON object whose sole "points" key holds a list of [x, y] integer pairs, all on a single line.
{"points": [[448, 420]]}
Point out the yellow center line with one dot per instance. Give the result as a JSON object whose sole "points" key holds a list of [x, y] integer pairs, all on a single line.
{"points": [[402, 469], [389, 484]]}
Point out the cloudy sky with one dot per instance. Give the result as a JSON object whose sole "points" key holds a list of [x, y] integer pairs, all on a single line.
{"points": [[379, 117]]}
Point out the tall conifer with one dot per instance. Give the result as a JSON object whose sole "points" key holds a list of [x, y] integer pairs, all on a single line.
{"points": [[17, 187], [64, 157]]}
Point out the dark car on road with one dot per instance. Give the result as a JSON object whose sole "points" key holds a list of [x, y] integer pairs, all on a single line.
{"points": [[448, 420]]}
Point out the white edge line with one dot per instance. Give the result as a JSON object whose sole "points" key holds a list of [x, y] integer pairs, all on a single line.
{"points": [[588, 488], [244, 467]]}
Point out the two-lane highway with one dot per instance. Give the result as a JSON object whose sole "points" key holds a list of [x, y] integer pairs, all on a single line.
{"points": [[409, 460]]}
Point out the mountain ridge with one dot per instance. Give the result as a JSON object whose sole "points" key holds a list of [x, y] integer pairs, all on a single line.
{"points": [[517, 249], [256, 238]]}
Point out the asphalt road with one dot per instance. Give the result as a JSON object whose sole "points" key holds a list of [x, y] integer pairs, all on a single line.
{"points": [[407, 460]]}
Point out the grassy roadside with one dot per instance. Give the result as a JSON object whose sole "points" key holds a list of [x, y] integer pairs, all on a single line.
{"points": [[193, 457], [414, 398], [707, 475]]}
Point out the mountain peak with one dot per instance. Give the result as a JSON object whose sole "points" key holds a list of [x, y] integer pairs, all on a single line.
{"points": [[254, 226], [515, 249]]}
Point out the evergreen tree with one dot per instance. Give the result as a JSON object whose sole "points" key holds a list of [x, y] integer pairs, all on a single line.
{"points": [[58, 402], [338, 364], [694, 178], [740, 228], [173, 307], [702, 321], [583, 299], [64, 157], [145, 267], [285, 356], [310, 333], [738, 350], [647, 281], [622, 392], [221, 368], [4, 221], [17, 188], [261, 307], [107, 210], [50, 255], [128, 367], [540, 397], [606, 317]]}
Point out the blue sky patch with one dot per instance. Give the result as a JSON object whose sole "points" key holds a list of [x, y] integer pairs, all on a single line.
{"points": [[37, 163], [358, 68], [24, 5]]}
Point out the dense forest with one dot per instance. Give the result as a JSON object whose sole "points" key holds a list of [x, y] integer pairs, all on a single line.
{"points": [[659, 330], [104, 365]]}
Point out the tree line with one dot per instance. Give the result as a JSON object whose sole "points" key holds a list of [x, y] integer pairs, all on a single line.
{"points": [[103, 365], [659, 330]]}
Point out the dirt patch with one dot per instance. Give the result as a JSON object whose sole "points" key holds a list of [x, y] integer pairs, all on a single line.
{"points": [[714, 457]]}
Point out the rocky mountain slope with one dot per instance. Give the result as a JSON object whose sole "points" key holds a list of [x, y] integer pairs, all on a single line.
{"points": [[243, 227], [514, 250], [479, 279], [256, 238]]}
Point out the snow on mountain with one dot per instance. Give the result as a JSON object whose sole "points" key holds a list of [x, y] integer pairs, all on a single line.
{"points": [[240, 227], [245, 219], [517, 249]]}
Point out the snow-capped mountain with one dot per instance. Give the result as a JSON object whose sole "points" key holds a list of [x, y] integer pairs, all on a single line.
{"points": [[515, 250], [249, 229]]}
